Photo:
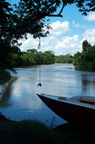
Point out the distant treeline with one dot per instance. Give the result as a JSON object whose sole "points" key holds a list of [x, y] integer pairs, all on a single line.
{"points": [[15, 58], [64, 59], [33, 57], [85, 60]]}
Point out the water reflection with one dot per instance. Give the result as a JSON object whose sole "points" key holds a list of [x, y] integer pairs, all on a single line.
{"points": [[24, 93], [19, 100], [88, 84], [6, 90]]}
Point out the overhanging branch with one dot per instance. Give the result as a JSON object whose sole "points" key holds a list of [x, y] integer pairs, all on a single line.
{"points": [[61, 9], [56, 15], [22, 15]]}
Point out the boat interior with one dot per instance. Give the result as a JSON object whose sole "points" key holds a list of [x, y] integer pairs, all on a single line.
{"points": [[83, 99], [80, 100]]}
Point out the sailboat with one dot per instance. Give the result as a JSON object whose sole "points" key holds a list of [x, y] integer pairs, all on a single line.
{"points": [[75, 109]]}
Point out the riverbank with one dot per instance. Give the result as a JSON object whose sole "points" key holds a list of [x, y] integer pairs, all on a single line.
{"points": [[28, 132]]}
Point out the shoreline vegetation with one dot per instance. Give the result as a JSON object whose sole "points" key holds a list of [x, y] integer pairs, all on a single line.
{"points": [[30, 131], [84, 61], [33, 57], [17, 21]]}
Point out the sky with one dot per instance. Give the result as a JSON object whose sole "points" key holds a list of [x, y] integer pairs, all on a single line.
{"points": [[67, 33]]}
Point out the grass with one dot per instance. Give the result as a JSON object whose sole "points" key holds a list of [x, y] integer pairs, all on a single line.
{"points": [[34, 132]]}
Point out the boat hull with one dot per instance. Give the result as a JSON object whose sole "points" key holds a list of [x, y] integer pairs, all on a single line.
{"points": [[70, 112]]}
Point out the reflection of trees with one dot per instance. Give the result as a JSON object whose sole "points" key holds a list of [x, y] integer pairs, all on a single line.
{"points": [[88, 80], [6, 93], [4, 77], [88, 83]]}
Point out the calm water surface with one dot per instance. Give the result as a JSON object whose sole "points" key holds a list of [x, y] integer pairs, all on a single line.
{"points": [[19, 101]]}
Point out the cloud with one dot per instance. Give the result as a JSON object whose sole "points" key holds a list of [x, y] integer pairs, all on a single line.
{"points": [[90, 17], [89, 35], [63, 45], [60, 46], [57, 41], [78, 25], [73, 22], [59, 28], [30, 43]]}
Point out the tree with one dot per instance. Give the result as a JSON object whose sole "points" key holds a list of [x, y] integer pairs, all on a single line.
{"points": [[29, 17], [49, 57], [85, 60], [85, 6], [85, 45], [32, 51], [68, 58]]}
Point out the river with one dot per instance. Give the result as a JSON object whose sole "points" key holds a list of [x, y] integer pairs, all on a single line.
{"points": [[18, 99]]}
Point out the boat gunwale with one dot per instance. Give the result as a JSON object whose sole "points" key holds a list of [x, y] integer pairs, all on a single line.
{"points": [[68, 100]]}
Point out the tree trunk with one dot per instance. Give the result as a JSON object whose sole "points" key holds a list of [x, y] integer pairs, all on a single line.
{"points": [[4, 45]]}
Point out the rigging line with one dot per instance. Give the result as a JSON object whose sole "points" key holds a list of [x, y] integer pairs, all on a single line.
{"points": [[39, 47], [39, 73]]}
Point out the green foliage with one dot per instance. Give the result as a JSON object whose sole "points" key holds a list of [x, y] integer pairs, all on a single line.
{"points": [[86, 59], [34, 130], [85, 45], [64, 59], [7, 60], [30, 131], [33, 57], [49, 57], [29, 17], [4, 76]]}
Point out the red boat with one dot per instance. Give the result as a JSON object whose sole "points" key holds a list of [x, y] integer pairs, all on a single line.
{"points": [[76, 109]]}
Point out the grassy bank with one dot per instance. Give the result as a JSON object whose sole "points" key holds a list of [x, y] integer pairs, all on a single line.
{"points": [[33, 132]]}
